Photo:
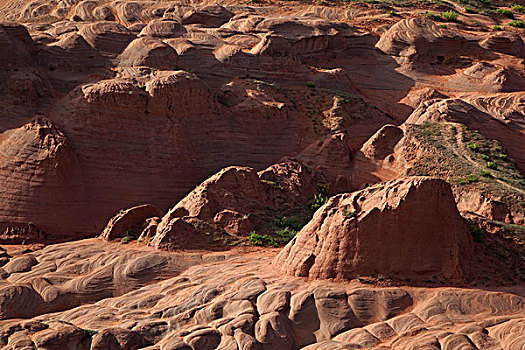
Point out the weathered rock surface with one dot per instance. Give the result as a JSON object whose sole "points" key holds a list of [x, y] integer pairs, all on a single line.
{"points": [[409, 227], [240, 302]]}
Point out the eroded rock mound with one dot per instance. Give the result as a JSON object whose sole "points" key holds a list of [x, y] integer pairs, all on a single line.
{"points": [[417, 38], [405, 228], [234, 201]]}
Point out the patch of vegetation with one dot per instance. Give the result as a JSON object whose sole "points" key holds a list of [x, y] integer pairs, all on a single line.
{"points": [[322, 3], [485, 157], [393, 13], [472, 178], [492, 165], [485, 174], [450, 16], [475, 232], [497, 28], [310, 85], [431, 15], [505, 12], [125, 240], [323, 189], [518, 8], [317, 202], [469, 9], [444, 26], [291, 223], [91, 333], [350, 214], [473, 146], [517, 24], [262, 240]]}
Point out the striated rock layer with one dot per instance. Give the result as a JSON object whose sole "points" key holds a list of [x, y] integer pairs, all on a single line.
{"points": [[407, 228]]}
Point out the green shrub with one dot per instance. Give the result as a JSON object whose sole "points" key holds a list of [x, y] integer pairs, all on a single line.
{"points": [[322, 3], [350, 214], [261, 240], [485, 157], [492, 165], [504, 157], [125, 240], [286, 235], [518, 8], [485, 173], [91, 333], [505, 12], [449, 16], [476, 232], [472, 178], [285, 222], [473, 146], [443, 26], [317, 202], [393, 13], [517, 24], [310, 84], [469, 9], [323, 189], [497, 28], [431, 15]]}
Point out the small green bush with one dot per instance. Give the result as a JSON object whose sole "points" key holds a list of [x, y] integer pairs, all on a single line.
{"points": [[469, 9], [518, 8], [517, 24], [91, 333], [261, 240], [317, 202], [350, 214], [310, 84], [504, 157], [323, 189], [473, 146], [485, 157], [497, 28], [125, 240], [449, 16], [292, 223], [472, 178], [505, 12], [476, 232], [286, 235], [443, 26], [322, 3], [431, 15], [393, 13], [485, 173], [492, 165]]}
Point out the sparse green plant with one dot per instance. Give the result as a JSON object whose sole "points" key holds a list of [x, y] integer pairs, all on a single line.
{"points": [[90, 332], [286, 222], [476, 232], [485, 173], [492, 165], [310, 85], [444, 26], [505, 12], [469, 9], [504, 157], [350, 214], [497, 28], [517, 24], [473, 146], [261, 240], [431, 15], [449, 16], [285, 235], [472, 178], [317, 202], [125, 240], [380, 278], [393, 13], [518, 8], [322, 3], [323, 189], [485, 157]]}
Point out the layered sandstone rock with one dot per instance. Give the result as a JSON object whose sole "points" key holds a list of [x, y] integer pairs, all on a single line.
{"points": [[405, 228], [234, 201]]}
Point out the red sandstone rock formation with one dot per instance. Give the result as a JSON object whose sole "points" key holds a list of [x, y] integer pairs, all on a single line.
{"points": [[404, 228]]}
